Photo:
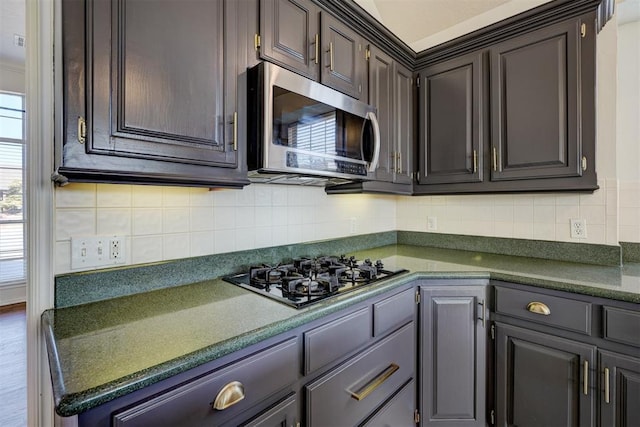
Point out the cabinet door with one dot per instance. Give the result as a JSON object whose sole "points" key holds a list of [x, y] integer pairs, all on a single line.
{"points": [[403, 124], [543, 380], [290, 35], [157, 81], [282, 414], [535, 85], [620, 389], [343, 58], [381, 97], [452, 121], [452, 356]]}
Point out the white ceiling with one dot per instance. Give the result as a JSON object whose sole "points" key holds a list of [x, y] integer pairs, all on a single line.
{"points": [[422, 24], [12, 21]]}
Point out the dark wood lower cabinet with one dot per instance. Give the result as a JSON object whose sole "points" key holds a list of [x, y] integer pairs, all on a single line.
{"points": [[349, 393], [543, 380], [452, 355], [620, 386]]}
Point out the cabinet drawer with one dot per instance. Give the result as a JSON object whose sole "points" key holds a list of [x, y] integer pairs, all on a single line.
{"points": [[261, 374], [372, 377], [561, 312], [333, 340], [392, 312], [397, 412], [622, 326]]}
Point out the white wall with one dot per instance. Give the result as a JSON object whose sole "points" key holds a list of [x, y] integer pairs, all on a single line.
{"points": [[628, 119], [12, 77]]}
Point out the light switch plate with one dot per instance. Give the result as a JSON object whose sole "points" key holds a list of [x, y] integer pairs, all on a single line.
{"points": [[96, 251]]}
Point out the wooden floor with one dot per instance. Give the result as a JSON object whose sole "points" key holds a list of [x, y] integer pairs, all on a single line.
{"points": [[13, 366]]}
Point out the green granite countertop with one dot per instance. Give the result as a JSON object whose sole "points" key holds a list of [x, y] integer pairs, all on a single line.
{"points": [[102, 350]]}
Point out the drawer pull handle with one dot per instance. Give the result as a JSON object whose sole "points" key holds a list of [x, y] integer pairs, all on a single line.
{"points": [[230, 394], [375, 383], [607, 391], [235, 131], [483, 318], [331, 56], [538, 308], [585, 377]]}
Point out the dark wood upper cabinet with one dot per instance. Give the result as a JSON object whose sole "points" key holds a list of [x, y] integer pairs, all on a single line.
{"points": [[517, 115], [452, 122], [158, 93], [290, 35], [344, 63], [295, 34], [535, 104], [381, 97], [403, 123]]}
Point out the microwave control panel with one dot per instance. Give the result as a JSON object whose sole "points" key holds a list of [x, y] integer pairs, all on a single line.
{"points": [[318, 163]]}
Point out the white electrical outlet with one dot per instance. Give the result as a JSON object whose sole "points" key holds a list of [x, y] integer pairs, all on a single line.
{"points": [[432, 223], [96, 251], [578, 228], [353, 225], [115, 244]]}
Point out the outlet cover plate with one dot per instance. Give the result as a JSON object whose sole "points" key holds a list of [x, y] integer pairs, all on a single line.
{"points": [[578, 228], [432, 223]]}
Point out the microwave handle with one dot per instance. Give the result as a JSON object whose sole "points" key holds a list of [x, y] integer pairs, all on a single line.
{"points": [[373, 165]]}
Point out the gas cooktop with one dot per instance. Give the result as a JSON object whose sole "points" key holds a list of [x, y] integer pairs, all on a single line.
{"points": [[304, 281]]}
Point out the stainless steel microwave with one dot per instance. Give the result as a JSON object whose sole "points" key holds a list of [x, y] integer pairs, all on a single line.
{"points": [[298, 127]]}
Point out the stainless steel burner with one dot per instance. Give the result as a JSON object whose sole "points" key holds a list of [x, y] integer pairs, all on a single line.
{"points": [[306, 280]]}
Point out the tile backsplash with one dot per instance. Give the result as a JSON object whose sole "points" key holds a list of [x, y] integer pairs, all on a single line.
{"points": [[164, 223], [544, 216]]}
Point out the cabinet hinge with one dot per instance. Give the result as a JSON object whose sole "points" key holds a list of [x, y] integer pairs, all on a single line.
{"points": [[493, 417], [82, 130], [493, 332], [418, 81], [367, 54], [583, 30], [416, 416], [418, 297], [256, 41], [418, 176], [584, 163]]}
